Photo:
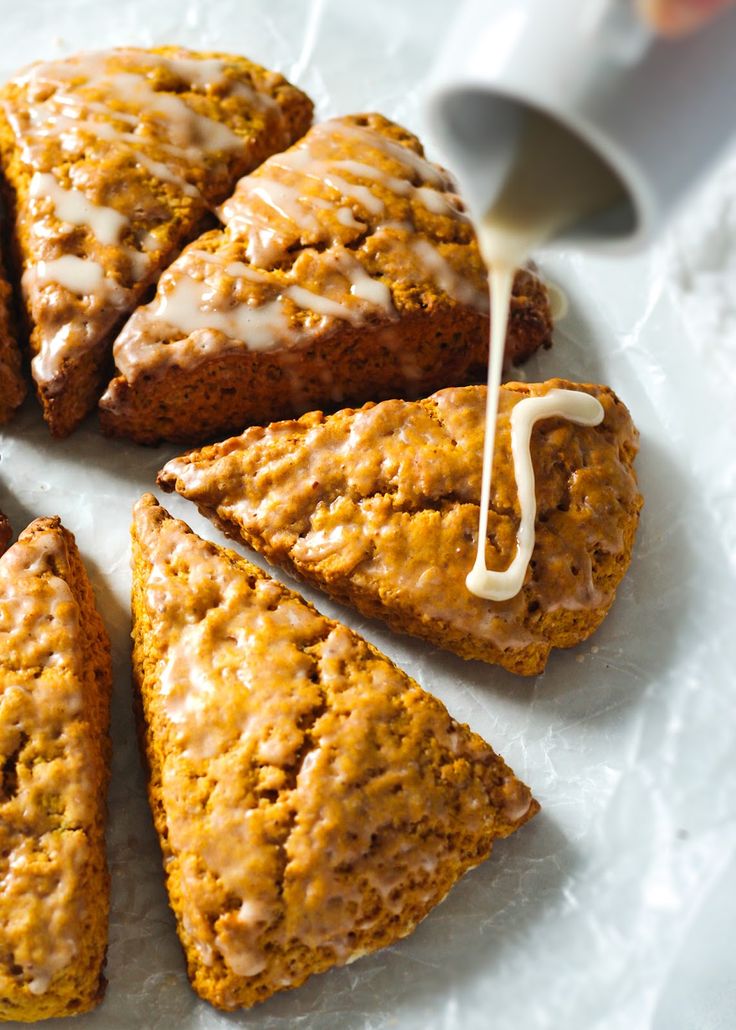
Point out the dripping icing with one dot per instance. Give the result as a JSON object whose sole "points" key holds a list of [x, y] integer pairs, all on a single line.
{"points": [[554, 181], [578, 407]]}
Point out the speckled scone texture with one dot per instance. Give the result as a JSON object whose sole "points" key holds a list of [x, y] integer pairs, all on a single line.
{"points": [[12, 383], [346, 270], [112, 162], [313, 803], [380, 508], [55, 682]]}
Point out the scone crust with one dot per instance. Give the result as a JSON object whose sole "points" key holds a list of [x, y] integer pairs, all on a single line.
{"points": [[313, 803]]}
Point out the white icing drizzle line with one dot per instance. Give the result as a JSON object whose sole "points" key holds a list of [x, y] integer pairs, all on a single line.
{"points": [[66, 113], [105, 223], [186, 127], [287, 201], [191, 305], [78, 275], [579, 407]]}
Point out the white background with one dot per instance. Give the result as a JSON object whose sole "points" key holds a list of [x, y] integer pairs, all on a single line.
{"points": [[616, 907]]}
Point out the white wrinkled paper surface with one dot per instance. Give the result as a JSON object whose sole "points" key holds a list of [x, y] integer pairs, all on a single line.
{"points": [[616, 907]]}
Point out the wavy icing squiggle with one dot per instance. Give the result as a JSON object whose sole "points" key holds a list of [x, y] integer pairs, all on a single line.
{"points": [[575, 405]]}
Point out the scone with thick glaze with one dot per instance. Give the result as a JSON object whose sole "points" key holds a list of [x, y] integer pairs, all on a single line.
{"points": [[113, 161], [346, 271], [55, 682], [379, 507], [12, 382], [313, 803]]}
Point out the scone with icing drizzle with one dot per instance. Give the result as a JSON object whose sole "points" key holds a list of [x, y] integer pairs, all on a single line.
{"points": [[313, 803], [113, 160], [12, 383], [346, 271], [55, 682], [379, 507]]}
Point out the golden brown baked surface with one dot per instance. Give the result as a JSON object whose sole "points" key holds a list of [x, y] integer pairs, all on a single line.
{"points": [[346, 270], [113, 160], [379, 507], [55, 682], [313, 803], [12, 383]]}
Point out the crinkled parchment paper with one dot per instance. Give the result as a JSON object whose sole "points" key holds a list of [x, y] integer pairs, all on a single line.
{"points": [[616, 907]]}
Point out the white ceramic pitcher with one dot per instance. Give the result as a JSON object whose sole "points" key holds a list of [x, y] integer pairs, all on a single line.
{"points": [[658, 111]]}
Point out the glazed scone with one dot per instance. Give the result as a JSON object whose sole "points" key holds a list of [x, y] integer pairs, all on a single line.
{"points": [[55, 683], [313, 803], [346, 271], [113, 161], [12, 382], [379, 507]]}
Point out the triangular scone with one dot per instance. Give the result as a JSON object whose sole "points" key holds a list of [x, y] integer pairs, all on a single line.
{"points": [[313, 803], [113, 160], [12, 383], [55, 682], [380, 508], [346, 271]]}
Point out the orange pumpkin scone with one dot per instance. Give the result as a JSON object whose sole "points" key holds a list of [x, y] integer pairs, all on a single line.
{"points": [[380, 508], [12, 383], [113, 160], [313, 803], [55, 683], [346, 270]]}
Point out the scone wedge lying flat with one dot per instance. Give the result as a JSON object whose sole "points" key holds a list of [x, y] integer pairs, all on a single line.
{"points": [[313, 803], [12, 382], [112, 161], [380, 507], [55, 682], [346, 271]]}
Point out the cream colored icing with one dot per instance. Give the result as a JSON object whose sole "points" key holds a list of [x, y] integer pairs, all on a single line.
{"points": [[310, 301], [346, 217], [78, 275], [28, 604], [404, 155], [54, 911], [285, 199], [185, 127], [191, 304], [578, 407], [74, 207], [323, 172], [263, 209], [554, 181], [56, 108], [441, 271], [373, 291]]}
